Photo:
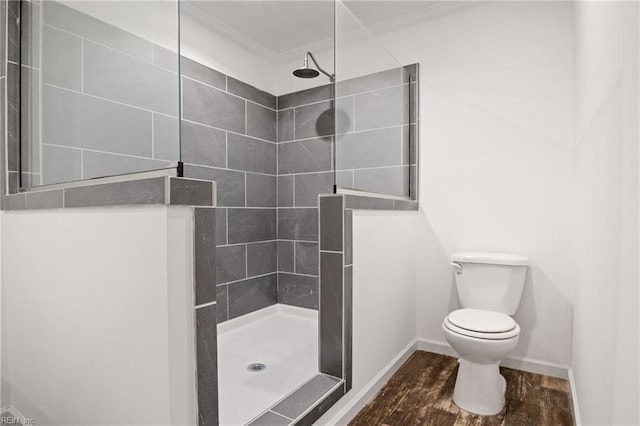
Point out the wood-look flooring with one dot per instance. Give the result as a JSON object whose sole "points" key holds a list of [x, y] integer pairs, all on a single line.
{"points": [[421, 391]]}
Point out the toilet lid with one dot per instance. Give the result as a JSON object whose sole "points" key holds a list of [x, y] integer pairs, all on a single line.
{"points": [[482, 321]]}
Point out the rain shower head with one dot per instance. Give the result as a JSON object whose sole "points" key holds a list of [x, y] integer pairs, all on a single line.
{"points": [[308, 72]]}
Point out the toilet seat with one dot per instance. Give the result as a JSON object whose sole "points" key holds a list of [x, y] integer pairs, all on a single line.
{"points": [[482, 324]]}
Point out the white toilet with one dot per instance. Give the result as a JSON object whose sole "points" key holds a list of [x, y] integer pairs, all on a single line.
{"points": [[483, 332]]}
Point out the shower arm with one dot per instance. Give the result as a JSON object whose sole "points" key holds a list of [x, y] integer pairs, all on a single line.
{"points": [[332, 77]]}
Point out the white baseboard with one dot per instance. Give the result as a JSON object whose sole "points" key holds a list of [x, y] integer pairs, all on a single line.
{"points": [[574, 399], [529, 365]]}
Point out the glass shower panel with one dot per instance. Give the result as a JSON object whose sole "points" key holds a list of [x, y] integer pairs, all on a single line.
{"points": [[372, 112], [99, 89]]}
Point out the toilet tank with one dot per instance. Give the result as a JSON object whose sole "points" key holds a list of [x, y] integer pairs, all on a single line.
{"points": [[490, 281]]}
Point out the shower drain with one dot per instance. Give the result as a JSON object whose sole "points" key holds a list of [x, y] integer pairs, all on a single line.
{"points": [[255, 367]]}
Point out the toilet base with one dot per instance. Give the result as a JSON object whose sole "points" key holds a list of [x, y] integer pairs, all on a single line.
{"points": [[479, 388]]}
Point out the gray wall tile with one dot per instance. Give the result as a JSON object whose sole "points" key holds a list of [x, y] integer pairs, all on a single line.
{"points": [[61, 59], [13, 33], [344, 115], [285, 256], [313, 155], [229, 184], [388, 180], [15, 202], [199, 72], [262, 258], [165, 58], [344, 179], [99, 164], [249, 225], [298, 290], [44, 200], [252, 294], [306, 258], [213, 107], [29, 129], [113, 75], [205, 254], [221, 226], [166, 138], [382, 108], [13, 116], [298, 224], [314, 120], [72, 119], [331, 223], [285, 191], [270, 419], [207, 365], [247, 91], [348, 327], [305, 396], [203, 145], [261, 190], [308, 186], [60, 164], [231, 263], [322, 407], [405, 205], [315, 94], [331, 298], [251, 155], [30, 36], [222, 303], [375, 148], [370, 203], [348, 237], [143, 191], [285, 125], [190, 192], [75, 22], [261, 122]]}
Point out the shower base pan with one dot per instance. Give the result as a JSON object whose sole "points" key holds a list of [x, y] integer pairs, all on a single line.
{"points": [[263, 356]]}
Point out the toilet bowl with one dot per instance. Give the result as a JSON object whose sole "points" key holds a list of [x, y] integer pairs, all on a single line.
{"points": [[482, 339]]}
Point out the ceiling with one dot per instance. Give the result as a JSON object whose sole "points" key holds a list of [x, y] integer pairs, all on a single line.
{"points": [[281, 27]]}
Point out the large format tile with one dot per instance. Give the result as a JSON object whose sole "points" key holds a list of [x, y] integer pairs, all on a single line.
{"points": [[229, 184], [306, 258], [199, 72], [119, 77], [61, 59], [30, 129], [231, 263], [298, 224], [99, 164], [374, 148], [262, 258], [370, 82], [388, 180], [313, 155], [270, 419], [249, 225], [285, 191], [305, 396], [205, 254], [222, 303], [261, 122], [348, 327], [13, 31], [203, 145], [75, 22], [30, 34], [285, 256], [213, 107], [252, 294], [331, 314], [382, 108], [348, 237], [298, 290], [13, 117], [207, 365], [166, 138], [166, 58], [309, 186], [285, 125], [251, 155], [44, 200], [314, 120], [303, 97], [72, 119], [132, 192], [261, 190], [331, 223], [60, 164], [221, 226], [247, 91], [191, 192]]}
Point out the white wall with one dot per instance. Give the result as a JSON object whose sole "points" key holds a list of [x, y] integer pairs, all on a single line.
{"points": [[606, 355], [496, 158], [97, 316]]}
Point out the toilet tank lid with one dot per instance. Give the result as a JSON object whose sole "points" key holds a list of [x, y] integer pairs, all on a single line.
{"points": [[490, 258]]}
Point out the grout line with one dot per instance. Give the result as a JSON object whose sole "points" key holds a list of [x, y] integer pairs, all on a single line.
{"points": [[106, 152], [204, 305], [247, 278], [225, 130], [82, 65]]}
